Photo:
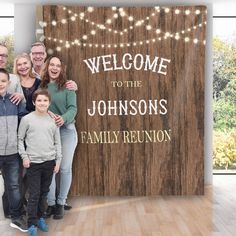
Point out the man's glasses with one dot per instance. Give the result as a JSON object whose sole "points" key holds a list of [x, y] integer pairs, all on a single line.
{"points": [[4, 56], [38, 53]]}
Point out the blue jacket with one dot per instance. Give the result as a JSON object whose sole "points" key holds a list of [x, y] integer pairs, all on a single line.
{"points": [[9, 116]]}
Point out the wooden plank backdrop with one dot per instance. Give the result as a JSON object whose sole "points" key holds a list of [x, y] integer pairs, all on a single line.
{"points": [[172, 162]]}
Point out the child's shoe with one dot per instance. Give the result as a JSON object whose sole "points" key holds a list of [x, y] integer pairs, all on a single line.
{"points": [[19, 223], [32, 231], [42, 225]]}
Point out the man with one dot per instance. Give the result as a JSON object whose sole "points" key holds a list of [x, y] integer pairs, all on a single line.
{"points": [[38, 55], [15, 87]]}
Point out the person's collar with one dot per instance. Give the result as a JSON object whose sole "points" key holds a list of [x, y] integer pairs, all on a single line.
{"points": [[35, 73]]}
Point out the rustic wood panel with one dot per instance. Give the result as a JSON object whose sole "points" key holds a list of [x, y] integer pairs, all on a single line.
{"points": [[172, 167]]}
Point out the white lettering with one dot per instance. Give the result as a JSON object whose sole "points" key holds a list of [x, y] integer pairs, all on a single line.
{"points": [[94, 68]]}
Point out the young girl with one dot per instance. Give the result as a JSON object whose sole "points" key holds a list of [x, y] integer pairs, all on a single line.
{"points": [[41, 157], [64, 107]]}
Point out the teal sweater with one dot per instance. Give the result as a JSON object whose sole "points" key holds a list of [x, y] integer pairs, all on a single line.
{"points": [[63, 103]]}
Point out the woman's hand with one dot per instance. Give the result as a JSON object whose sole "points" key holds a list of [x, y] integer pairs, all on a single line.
{"points": [[56, 168], [26, 163], [16, 98], [59, 120]]}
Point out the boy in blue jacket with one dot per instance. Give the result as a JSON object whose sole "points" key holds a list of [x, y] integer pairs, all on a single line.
{"points": [[9, 158]]}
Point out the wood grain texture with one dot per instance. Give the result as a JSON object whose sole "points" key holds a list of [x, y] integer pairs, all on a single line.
{"points": [[148, 168]]}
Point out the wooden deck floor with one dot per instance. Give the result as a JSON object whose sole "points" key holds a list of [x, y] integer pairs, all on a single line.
{"points": [[211, 214]]}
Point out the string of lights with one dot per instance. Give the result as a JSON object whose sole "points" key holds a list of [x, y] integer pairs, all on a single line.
{"points": [[67, 44], [136, 23], [119, 11], [161, 35]]}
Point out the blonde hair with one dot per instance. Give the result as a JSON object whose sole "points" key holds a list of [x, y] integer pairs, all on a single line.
{"points": [[26, 56], [3, 44]]}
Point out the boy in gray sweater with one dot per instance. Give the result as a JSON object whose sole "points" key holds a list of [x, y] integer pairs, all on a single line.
{"points": [[41, 155]]}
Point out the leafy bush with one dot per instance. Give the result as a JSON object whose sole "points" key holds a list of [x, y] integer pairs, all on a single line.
{"points": [[224, 85], [224, 150], [225, 108], [9, 41]]}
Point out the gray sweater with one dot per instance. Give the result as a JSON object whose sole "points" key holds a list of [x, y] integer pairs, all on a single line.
{"points": [[42, 138]]}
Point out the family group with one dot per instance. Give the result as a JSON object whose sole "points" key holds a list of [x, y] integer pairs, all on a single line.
{"points": [[38, 137]]}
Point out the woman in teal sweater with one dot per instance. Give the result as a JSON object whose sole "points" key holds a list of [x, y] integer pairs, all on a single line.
{"points": [[64, 107]]}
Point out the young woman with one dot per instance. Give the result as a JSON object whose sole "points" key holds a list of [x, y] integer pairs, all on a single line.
{"points": [[29, 82], [64, 106]]}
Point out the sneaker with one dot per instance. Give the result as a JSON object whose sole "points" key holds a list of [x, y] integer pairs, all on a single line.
{"points": [[67, 207], [8, 216], [42, 225], [19, 223], [50, 211], [59, 212], [32, 231]]}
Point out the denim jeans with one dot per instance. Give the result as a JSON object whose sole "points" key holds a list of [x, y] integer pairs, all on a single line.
{"points": [[10, 166], [39, 179], [69, 140]]}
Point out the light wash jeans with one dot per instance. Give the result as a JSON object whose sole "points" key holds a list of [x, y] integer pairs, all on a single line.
{"points": [[69, 142]]}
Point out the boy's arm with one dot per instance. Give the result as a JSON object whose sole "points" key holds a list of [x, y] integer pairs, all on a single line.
{"points": [[21, 138]]}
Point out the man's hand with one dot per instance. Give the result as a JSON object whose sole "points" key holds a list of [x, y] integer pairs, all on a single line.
{"points": [[16, 98], [59, 120], [26, 163], [71, 85], [56, 168]]}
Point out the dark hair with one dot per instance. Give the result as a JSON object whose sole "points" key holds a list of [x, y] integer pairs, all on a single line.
{"points": [[4, 71], [41, 91], [36, 44], [61, 81]]}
